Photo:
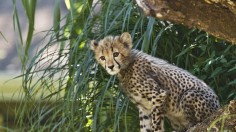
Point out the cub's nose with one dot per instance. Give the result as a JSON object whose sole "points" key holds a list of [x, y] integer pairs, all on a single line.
{"points": [[111, 67]]}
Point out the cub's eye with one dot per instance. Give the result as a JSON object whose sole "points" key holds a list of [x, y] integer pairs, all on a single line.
{"points": [[116, 54], [102, 58]]}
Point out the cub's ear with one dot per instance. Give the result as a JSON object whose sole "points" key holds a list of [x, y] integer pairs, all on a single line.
{"points": [[126, 39], [93, 44]]}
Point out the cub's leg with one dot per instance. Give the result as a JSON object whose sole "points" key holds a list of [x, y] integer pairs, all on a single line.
{"points": [[157, 113], [197, 105], [145, 120], [151, 118]]}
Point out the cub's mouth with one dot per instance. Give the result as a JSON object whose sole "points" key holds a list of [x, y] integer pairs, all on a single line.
{"points": [[113, 69], [113, 72]]}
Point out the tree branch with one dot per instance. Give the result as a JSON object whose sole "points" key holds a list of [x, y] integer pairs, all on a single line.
{"points": [[223, 119], [217, 17]]}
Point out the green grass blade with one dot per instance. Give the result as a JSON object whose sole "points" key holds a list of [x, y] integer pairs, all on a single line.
{"points": [[29, 6], [56, 18], [16, 22], [1, 34]]}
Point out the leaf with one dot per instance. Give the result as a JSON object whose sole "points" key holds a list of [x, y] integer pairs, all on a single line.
{"points": [[232, 82], [227, 49], [3, 37], [148, 35], [56, 18], [216, 72], [183, 52], [29, 6], [232, 69], [16, 22]]}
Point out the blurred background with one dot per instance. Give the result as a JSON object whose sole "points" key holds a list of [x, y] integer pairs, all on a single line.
{"points": [[10, 65]]}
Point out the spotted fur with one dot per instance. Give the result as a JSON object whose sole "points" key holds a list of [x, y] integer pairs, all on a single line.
{"points": [[158, 88]]}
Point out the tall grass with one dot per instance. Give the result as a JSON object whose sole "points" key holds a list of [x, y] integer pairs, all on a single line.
{"points": [[65, 90]]}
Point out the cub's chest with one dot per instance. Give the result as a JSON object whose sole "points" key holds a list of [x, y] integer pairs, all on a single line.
{"points": [[138, 87], [137, 95], [134, 82]]}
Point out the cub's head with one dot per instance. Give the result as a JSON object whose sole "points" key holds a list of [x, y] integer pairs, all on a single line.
{"points": [[113, 52]]}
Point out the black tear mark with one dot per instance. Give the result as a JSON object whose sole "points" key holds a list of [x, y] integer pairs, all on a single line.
{"points": [[117, 63]]}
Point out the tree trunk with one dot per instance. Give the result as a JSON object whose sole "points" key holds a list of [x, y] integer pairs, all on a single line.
{"points": [[217, 17]]}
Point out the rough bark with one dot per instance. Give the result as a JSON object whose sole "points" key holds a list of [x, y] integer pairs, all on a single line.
{"points": [[223, 120], [217, 17]]}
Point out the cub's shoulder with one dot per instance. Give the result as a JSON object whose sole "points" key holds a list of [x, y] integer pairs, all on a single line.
{"points": [[140, 56]]}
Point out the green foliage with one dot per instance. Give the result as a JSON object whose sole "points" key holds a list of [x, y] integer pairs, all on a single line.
{"points": [[29, 6], [65, 90]]}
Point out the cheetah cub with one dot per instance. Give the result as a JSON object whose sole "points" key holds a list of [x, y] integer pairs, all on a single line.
{"points": [[158, 88]]}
